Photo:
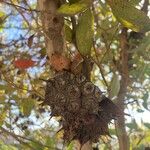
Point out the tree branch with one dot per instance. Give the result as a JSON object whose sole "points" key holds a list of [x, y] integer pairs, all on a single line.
{"points": [[120, 123], [18, 6], [52, 24], [21, 139]]}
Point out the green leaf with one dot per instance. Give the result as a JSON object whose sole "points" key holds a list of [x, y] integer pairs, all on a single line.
{"points": [[27, 106], [2, 14], [112, 131], [2, 98], [3, 116], [3, 87], [68, 33], [140, 110], [50, 141], [114, 86], [74, 8], [43, 52], [147, 125], [132, 125], [6, 88], [70, 146], [4, 146], [73, 1], [37, 145], [140, 147], [129, 16], [143, 48], [15, 97], [85, 32], [2, 17], [135, 2], [145, 98]]}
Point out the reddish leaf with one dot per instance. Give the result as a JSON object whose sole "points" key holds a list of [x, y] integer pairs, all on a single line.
{"points": [[24, 63], [59, 62]]}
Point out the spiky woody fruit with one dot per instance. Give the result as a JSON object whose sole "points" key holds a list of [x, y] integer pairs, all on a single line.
{"points": [[85, 111]]}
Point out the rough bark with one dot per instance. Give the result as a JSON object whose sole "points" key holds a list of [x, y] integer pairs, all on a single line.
{"points": [[120, 123], [52, 25], [123, 69]]}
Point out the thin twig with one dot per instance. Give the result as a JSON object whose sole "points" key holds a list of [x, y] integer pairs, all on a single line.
{"points": [[36, 20], [100, 68], [139, 141], [14, 5], [108, 46], [21, 13], [16, 137], [20, 88]]}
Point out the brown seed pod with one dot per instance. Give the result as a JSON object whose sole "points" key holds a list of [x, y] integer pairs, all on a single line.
{"points": [[85, 111], [73, 91], [90, 105], [60, 98], [80, 78], [74, 107], [88, 88]]}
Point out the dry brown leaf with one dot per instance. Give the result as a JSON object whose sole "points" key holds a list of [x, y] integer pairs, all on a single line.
{"points": [[59, 62]]}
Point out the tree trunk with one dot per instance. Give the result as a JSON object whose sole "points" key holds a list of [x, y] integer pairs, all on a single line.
{"points": [[123, 69], [52, 25]]}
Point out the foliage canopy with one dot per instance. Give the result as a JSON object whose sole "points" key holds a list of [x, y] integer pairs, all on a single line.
{"points": [[94, 28]]}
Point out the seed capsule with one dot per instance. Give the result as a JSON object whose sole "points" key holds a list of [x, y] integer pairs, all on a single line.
{"points": [[88, 88]]}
